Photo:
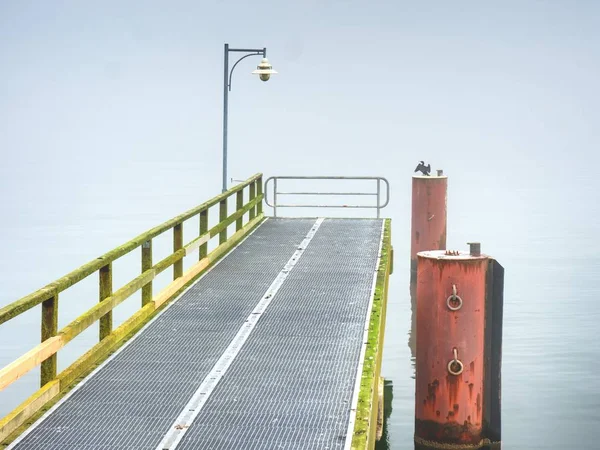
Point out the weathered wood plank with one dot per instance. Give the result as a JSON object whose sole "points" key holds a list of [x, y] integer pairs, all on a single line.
{"points": [[49, 329], [106, 287], [203, 229], [239, 204], [259, 193], [29, 360], [222, 220], [147, 265], [28, 408], [177, 245], [252, 214], [167, 262], [196, 243], [92, 315]]}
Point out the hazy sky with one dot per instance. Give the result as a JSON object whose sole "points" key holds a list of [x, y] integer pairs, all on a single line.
{"points": [[373, 85]]}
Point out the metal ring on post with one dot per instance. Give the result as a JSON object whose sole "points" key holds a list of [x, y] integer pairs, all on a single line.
{"points": [[454, 298], [455, 366]]}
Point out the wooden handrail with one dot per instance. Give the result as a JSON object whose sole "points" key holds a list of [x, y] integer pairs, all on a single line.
{"points": [[53, 340], [54, 288]]}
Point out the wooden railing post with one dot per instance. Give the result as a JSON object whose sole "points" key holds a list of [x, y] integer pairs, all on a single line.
{"points": [[222, 217], [49, 329], [239, 204], [259, 186], [203, 229], [252, 197], [177, 245], [106, 321], [146, 265]]}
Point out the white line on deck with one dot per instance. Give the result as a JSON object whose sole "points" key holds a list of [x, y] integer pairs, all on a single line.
{"points": [[198, 400], [124, 346], [361, 359]]}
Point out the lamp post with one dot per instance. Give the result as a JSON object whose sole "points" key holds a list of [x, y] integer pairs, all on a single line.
{"points": [[264, 70]]}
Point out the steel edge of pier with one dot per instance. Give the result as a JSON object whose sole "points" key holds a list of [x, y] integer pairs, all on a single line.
{"points": [[105, 349], [365, 424]]}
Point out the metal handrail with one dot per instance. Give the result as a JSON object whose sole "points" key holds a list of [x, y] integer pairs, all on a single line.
{"points": [[377, 194]]}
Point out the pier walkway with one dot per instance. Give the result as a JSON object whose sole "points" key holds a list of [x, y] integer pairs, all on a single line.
{"points": [[262, 352], [272, 341]]}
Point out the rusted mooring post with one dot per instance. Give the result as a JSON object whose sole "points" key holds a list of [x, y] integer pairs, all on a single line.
{"points": [[459, 347], [428, 228]]}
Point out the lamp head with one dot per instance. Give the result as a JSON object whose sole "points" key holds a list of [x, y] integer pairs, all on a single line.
{"points": [[264, 70]]}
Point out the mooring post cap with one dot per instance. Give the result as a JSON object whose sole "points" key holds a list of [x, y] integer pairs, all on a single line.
{"points": [[474, 248], [440, 172]]}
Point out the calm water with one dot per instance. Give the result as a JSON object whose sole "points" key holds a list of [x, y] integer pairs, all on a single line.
{"points": [[545, 238]]}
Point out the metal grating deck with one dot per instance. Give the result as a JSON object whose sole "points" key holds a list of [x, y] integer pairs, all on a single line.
{"points": [[289, 387]]}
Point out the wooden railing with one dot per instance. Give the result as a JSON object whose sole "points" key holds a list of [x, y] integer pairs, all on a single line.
{"points": [[53, 339]]}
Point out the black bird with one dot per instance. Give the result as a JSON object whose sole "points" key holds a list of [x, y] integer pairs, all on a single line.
{"points": [[425, 169]]}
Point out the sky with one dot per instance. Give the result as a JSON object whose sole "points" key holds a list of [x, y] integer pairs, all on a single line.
{"points": [[111, 116]]}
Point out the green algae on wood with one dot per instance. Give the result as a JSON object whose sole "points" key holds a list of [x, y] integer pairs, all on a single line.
{"points": [[252, 196], [146, 265], [49, 329], [222, 219], [259, 192], [177, 245], [203, 229], [26, 409], [239, 204], [365, 425], [106, 291]]}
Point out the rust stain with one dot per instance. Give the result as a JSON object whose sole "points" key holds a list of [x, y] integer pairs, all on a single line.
{"points": [[442, 241], [471, 391], [478, 404], [453, 383], [451, 432], [455, 407], [432, 389], [428, 219], [472, 367]]}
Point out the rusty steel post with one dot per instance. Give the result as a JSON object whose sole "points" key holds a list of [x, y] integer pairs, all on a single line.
{"points": [[458, 340], [428, 228]]}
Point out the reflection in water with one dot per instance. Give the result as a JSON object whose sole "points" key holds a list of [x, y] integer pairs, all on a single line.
{"points": [[412, 335], [388, 395]]}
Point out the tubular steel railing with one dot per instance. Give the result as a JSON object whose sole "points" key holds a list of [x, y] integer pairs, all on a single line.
{"points": [[379, 206], [53, 339]]}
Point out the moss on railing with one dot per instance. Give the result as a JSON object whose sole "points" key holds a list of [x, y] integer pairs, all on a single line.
{"points": [[56, 386]]}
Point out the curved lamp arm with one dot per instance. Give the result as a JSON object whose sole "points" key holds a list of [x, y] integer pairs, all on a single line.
{"points": [[236, 63]]}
